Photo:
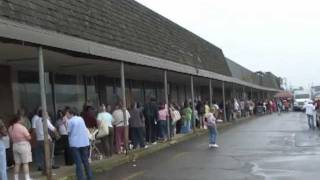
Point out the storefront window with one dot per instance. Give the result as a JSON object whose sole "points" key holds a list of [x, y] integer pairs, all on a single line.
{"points": [[69, 90], [29, 92], [92, 95], [137, 92], [173, 93]]}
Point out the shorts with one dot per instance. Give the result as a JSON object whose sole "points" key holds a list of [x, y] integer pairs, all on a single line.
{"points": [[22, 152]]}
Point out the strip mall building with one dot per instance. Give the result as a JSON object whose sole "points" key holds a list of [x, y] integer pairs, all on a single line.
{"points": [[91, 50]]}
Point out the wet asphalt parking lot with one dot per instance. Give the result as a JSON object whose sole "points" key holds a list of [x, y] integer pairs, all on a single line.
{"points": [[270, 147]]}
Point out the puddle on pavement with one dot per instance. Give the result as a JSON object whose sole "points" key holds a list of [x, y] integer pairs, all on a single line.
{"points": [[307, 139], [286, 167]]}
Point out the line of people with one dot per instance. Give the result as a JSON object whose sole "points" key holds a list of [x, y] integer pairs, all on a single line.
{"points": [[149, 124]]}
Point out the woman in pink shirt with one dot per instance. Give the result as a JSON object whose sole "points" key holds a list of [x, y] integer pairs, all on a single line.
{"points": [[162, 121], [20, 138]]}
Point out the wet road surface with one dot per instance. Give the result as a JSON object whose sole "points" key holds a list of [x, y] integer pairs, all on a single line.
{"points": [[268, 148]]}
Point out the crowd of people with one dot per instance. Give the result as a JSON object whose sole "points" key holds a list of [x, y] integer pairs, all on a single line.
{"points": [[238, 108], [148, 125]]}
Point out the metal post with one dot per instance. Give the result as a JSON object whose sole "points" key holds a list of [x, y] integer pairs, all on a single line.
{"points": [[85, 89], [224, 102], [124, 106], [166, 100], [243, 93], [210, 92], [233, 91], [54, 101], [251, 94], [44, 115], [193, 108]]}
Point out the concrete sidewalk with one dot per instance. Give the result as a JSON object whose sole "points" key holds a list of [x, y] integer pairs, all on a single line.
{"points": [[67, 172]]}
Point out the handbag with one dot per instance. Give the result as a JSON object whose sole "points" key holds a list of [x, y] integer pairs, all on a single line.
{"points": [[103, 130], [175, 115], [54, 135]]}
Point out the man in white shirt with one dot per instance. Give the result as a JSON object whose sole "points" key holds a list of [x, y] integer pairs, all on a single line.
{"points": [[119, 122], [37, 126], [309, 107]]}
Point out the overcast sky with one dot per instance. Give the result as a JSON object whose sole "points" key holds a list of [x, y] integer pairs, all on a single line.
{"points": [[281, 36]]}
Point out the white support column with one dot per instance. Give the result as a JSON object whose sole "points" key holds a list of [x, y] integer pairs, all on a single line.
{"points": [[243, 93], [124, 106], [165, 81], [193, 106], [210, 93], [224, 102], [44, 115]]}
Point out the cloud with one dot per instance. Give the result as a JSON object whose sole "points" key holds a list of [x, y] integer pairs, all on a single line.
{"points": [[268, 35]]}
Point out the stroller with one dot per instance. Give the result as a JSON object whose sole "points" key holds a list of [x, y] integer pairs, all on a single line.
{"points": [[94, 152]]}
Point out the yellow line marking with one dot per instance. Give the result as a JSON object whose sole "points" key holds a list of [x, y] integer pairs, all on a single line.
{"points": [[134, 175], [179, 155]]}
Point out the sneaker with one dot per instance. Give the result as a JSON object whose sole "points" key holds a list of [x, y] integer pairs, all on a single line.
{"points": [[131, 146], [215, 145], [10, 167], [154, 143], [146, 146], [210, 145], [55, 167]]}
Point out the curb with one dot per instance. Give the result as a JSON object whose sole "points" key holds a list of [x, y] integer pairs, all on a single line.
{"points": [[117, 160]]}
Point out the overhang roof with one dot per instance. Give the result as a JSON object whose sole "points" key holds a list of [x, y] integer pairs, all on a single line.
{"points": [[266, 79], [25, 33]]}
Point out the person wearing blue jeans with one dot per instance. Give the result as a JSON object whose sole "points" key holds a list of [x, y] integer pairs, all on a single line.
{"points": [[3, 159], [79, 143], [210, 121], [3, 162], [162, 129], [81, 156], [309, 107], [212, 135], [310, 121]]}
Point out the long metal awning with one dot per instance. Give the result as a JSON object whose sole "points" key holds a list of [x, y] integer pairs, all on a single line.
{"points": [[22, 32]]}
